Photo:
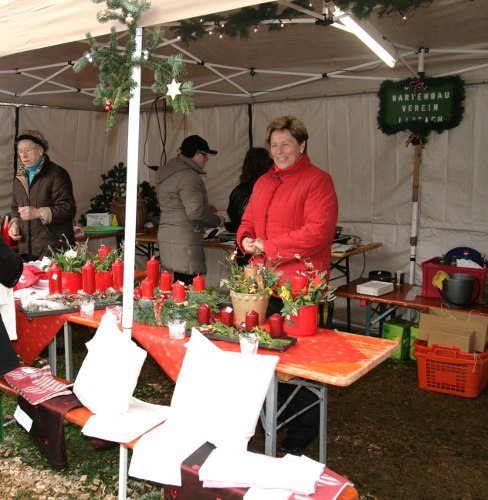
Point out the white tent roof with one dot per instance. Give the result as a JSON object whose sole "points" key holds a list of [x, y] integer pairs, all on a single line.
{"points": [[302, 60]]}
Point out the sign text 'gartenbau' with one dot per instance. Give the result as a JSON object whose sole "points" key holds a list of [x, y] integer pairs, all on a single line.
{"points": [[420, 105]]}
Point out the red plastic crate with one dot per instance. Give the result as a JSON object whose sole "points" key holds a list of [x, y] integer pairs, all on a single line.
{"points": [[448, 370], [432, 266]]}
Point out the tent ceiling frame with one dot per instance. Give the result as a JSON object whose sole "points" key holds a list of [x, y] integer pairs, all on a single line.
{"points": [[231, 76]]}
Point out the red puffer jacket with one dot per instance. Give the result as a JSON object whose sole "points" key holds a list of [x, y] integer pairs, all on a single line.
{"points": [[295, 212]]}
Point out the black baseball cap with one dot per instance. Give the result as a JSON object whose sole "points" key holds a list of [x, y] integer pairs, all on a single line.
{"points": [[194, 143]]}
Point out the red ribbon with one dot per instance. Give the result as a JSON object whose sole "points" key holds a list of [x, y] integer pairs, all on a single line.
{"points": [[416, 85], [415, 139]]}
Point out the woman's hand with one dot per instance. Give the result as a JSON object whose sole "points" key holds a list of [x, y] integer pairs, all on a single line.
{"points": [[253, 246], [30, 213], [13, 232]]}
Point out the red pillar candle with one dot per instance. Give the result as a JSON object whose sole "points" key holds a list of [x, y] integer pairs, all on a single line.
{"points": [[88, 278], [204, 313], [102, 251], [227, 316], [179, 292], [118, 274], [54, 276], [252, 319], [276, 325], [165, 281], [298, 283], [198, 283], [147, 287], [152, 270]]}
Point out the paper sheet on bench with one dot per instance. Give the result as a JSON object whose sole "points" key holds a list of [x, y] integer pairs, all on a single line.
{"points": [[126, 427], [158, 455], [244, 468]]}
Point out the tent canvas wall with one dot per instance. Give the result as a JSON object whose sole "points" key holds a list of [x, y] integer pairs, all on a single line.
{"points": [[372, 171]]}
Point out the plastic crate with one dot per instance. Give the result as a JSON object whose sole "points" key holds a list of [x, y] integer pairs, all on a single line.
{"points": [[448, 370], [432, 266]]}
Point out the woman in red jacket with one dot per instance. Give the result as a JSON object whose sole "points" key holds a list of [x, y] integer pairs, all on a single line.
{"points": [[292, 210]]}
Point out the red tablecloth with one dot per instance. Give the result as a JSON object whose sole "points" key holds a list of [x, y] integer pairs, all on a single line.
{"points": [[329, 357], [36, 334]]}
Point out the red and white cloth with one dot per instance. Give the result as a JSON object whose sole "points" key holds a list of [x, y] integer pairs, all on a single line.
{"points": [[36, 384]]}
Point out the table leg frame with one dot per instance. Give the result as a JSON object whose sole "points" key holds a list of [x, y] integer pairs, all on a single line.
{"points": [[272, 412]]}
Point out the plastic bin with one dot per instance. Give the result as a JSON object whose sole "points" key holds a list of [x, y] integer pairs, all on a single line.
{"points": [[432, 266], [448, 370]]}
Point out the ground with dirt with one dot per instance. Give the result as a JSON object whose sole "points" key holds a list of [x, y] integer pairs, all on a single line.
{"points": [[393, 440]]}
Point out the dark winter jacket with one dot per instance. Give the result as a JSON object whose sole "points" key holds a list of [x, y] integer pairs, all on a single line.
{"points": [[52, 191], [238, 200], [10, 271], [295, 211], [184, 216]]}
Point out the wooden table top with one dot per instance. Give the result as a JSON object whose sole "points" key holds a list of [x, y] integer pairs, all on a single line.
{"points": [[366, 247], [403, 296], [330, 357]]}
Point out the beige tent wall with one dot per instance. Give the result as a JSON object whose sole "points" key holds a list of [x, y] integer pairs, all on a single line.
{"points": [[372, 172]]}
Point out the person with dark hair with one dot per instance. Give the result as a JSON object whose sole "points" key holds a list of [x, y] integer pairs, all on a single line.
{"points": [[185, 212], [43, 204], [292, 211], [10, 271], [256, 163]]}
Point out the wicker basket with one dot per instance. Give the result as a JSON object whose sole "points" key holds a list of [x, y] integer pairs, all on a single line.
{"points": [[118, 208]]}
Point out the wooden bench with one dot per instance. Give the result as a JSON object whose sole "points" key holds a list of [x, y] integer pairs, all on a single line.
{"points": [[80, 416]]}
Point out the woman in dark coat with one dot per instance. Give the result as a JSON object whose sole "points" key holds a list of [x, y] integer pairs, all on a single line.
{"points": [[43, 204], [10, 271], [256, 163]]}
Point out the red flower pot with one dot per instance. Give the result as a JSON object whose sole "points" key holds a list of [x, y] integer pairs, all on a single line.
{"points": [[303, 325], [103, 280], [70, 281]]}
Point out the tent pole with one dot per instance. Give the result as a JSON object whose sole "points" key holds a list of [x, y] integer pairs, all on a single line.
{"points": [[131, 194], [415, 212]]}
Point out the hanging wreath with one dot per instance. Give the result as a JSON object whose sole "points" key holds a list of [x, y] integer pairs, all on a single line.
{"points": [[115, 83]]}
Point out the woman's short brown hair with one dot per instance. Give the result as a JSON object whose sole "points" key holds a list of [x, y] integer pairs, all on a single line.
{"points": [[295, 126]]}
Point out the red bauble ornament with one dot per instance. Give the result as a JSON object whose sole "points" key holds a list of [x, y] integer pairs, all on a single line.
{"points": [[108, 106]]}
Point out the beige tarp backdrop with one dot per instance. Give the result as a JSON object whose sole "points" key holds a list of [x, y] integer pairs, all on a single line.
{"points": [[372, 171]]}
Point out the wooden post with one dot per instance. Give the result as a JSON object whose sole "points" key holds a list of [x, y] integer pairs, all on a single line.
{"points": [[415, 211]]}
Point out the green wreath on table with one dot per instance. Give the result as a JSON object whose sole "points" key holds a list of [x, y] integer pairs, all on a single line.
{"points": [[116, 85]]}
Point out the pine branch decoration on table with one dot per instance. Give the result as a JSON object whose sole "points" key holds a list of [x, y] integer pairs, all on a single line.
{"points": [[115, 84]]}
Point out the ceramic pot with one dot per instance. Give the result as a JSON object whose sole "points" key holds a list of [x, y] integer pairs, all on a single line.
{"points": [[103, 280], [242, 303], [303, 325], [70, 281], [459, 290]]}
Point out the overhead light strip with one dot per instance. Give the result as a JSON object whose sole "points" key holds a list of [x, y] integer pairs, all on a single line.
{"points": [[368, 35]]}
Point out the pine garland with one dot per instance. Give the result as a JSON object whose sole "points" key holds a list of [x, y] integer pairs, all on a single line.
{"points": [[115, 85], [239, 23], [363, 8]]}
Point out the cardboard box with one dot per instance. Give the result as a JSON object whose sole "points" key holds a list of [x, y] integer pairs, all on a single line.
{"points": [[446, 319], [432, 266], [375, 288], [464, 338], [398, 330], [102, 219]]}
